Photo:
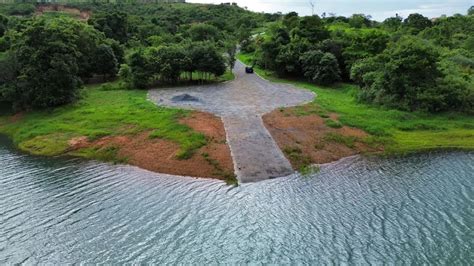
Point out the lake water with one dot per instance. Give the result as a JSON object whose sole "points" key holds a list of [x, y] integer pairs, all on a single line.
{"points": [[417, 209]]}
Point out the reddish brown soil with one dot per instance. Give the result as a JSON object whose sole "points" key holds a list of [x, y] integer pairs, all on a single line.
{"points": [[16, 117], [213, 160], [304, 138], [79, 14]]}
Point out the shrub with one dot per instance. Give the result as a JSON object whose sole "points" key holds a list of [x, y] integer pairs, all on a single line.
{"points": [[410, 75], [321, 68]]}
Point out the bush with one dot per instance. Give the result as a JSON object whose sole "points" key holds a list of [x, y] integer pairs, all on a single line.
{"points": [[321, 68], [409, 75]]}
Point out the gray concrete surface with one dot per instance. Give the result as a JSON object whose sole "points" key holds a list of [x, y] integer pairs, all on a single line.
{"points": [[241, 103]]}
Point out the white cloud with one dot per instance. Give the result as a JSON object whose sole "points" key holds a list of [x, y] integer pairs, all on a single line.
{"points": [[378, 9]]}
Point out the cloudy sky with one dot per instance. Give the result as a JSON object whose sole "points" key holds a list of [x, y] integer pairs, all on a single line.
{"points": [[377, 8]]}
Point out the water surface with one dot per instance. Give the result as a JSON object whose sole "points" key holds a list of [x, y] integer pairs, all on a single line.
{"points": [[417, 209]]}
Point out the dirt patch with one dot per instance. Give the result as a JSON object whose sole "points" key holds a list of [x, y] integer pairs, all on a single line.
{"points": [[213, 160], [307, 139], [16, 117], [77, 13]]}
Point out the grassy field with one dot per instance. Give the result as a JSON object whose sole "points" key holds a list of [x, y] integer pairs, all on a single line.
{"points": [[401, 132], [102, 111]]}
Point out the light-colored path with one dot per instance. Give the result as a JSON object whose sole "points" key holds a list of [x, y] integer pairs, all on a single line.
{"points": [[241, 104]]}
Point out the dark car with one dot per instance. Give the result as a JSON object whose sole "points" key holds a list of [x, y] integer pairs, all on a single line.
{"points": [[249, 70]]}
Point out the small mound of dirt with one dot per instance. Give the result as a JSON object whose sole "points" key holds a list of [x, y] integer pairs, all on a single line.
{"points": [[306, 139], [185, 98]]}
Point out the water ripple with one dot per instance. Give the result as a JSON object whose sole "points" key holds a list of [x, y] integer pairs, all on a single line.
{"points": [[411, 210]]}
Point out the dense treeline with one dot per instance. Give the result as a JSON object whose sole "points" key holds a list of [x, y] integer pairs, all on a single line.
{"points": [[47, 52], [411, 64], [48, 59]]}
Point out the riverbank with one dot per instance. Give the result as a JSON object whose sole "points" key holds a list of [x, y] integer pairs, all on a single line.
{"points": [[122, 126], [397, 131]]}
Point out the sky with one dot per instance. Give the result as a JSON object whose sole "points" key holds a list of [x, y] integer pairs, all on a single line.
{"points": [[379, 10]]}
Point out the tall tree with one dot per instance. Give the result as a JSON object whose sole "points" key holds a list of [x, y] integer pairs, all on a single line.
{"points": [[416, 23], [48, 56], [319, 67], [106, 63]]}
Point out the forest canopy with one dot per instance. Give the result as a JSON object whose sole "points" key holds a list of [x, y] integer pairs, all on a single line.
{"points": [[411, 64], [48, 51]]}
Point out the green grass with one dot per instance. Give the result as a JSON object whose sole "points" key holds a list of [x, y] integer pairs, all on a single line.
{"points": [[309, 170], [349, 141], [100, 112], [402, 132], [229, 177], [228, 76], [333, 124], [297, 157]]}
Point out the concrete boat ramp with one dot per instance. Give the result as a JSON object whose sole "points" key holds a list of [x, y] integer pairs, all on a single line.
{"points": [[241, 103]]}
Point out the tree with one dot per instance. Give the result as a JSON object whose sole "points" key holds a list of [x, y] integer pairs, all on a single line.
{"points": [[393, 23], [231, 51], [3, 25], [48, 53], [470, 11], [291, 20], [167, 61], [359, 20], [138, 74], [115, 25], [205, 58], [365, 44], [335, 47], [288, 58], [49, 71], [105, 61], [416, 23], [319, 67], [203, 32], [9, 70], [312, 28], [407, 76]]}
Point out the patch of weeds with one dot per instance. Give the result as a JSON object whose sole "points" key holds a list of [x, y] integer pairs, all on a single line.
{"points": [[348, 141], [190, 143], [185, 154], [296, 156], [307, 170], [49, 145], [97, 134], [106, 154], [292, 150], [110, 154], [420, 126], [333, 124], [319, 146], [375, 142], [112, 86], [229, 178], [324, 115]]}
